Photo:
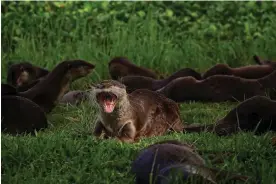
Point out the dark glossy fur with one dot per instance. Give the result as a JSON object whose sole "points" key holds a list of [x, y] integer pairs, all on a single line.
{"points": [[15, 70], [121, 66], [20, 115], [160, 158], [142, 113], [247, 72], [52, 87], [139, 82], [256, 114], [217, 88], [7, 89]]}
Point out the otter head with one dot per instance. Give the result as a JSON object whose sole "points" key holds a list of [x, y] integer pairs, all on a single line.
{"points": [[21, 73], [78, 68], [109, 94]]}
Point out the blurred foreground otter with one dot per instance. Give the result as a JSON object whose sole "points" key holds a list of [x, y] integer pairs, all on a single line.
{"points": [[121, 66], [263, 69], [128, 117], [175, 162], [49, 90], [21, 115], [24, 73], [257, 114], [219, 88], [140, 82]]}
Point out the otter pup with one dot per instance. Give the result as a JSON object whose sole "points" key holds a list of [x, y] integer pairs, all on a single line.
{"points": [[248, 72], [163, 158], [216, 88], [258, 60], [121, 66], [74, 97], [256, 114], [140, 82], [128, 117], [52, 87], [21, 115], [24, 73]]}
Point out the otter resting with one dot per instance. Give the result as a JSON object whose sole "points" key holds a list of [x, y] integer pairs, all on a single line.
{"points": [[24, 73], [256, 114], [128, 117], [164, 159], [49, 90], [74, 97], [247, 72], [21, 115], [121, 66], [215, 89], [140, 82]]}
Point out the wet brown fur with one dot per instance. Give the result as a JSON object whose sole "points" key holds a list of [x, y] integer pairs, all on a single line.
{"points": [[121, 66], [16, 71], [247, 72], [52, 87], [142, 113], [256, 114], [171, 153], [140, 82], [213, 89]]}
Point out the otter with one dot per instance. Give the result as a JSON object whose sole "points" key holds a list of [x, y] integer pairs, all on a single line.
{"points": [[128, 117], [52, 87], [16, 117], [258, 60], [269, 83], [156, 164], [74, 97], [216, 88], [247, 72], [140, 82], [7, 89], [121, 66], [256, 114], [24, 73]]}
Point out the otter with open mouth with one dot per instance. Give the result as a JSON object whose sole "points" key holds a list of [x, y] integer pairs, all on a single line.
{"points": [[128, 117]]}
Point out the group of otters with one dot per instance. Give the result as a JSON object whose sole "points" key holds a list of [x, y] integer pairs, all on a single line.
{"points": [[137, 103]]}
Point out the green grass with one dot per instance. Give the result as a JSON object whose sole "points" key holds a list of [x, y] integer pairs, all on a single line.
{"points": [[67, 153]]}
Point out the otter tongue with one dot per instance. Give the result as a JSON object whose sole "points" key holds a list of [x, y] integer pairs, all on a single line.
{"points": [[108, 106]]}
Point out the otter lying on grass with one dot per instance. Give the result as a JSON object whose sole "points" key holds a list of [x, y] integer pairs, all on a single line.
{"points": [[128, 117]]}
